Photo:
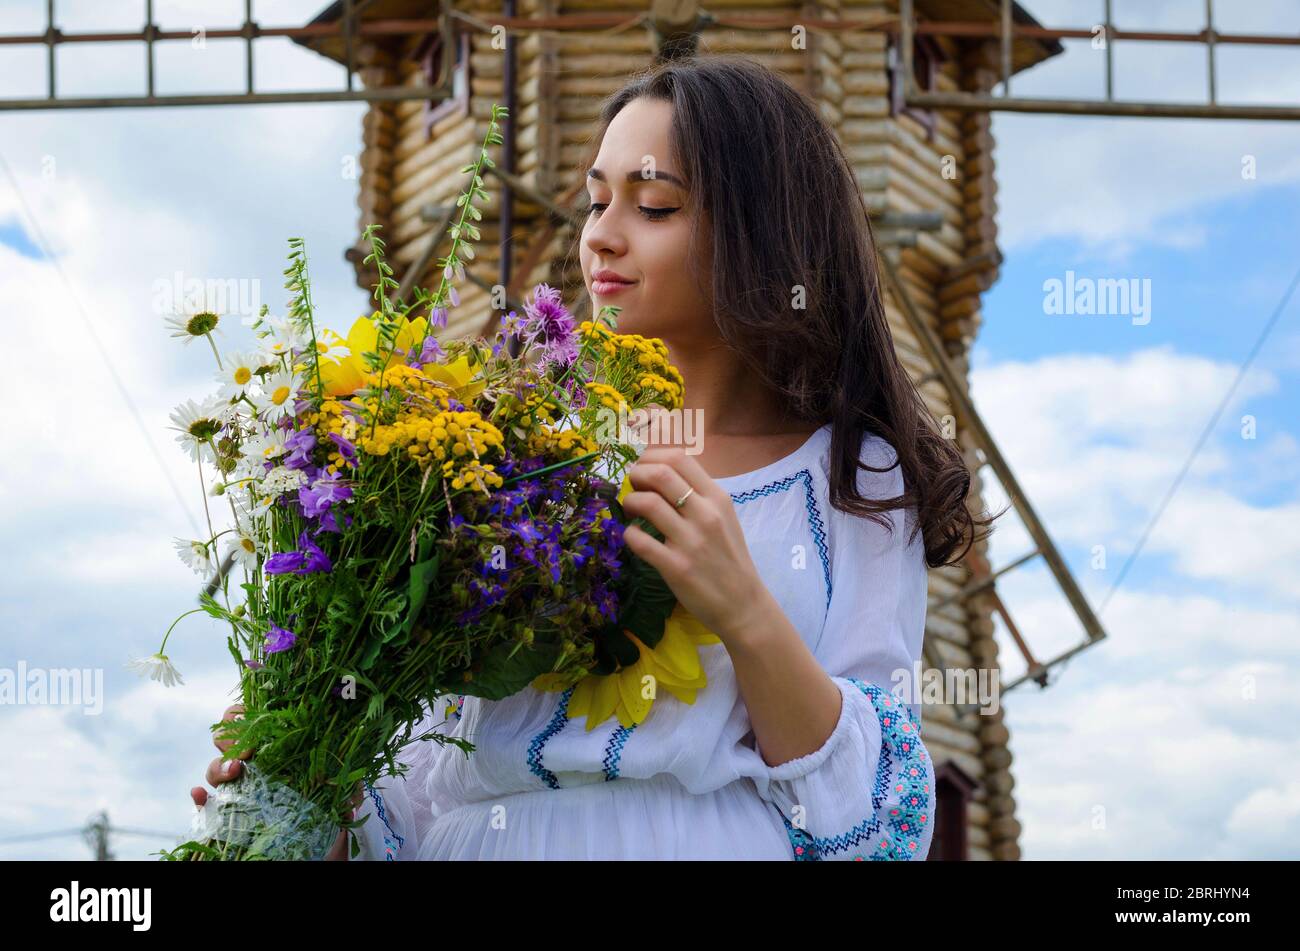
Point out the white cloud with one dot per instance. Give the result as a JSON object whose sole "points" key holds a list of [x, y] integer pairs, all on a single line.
{"points": [[1168, 738], [1119, 184], [137, 760]]}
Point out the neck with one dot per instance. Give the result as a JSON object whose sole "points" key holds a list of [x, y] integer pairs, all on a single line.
{"points": [[723, 394]]}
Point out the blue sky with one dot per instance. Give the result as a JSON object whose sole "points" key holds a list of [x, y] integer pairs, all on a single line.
{"points": [[1177, 744]]}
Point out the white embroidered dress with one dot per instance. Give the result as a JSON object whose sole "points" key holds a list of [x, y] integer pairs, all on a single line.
{"points": [[688, 782]]}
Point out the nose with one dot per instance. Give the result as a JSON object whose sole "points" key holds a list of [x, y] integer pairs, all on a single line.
{"points": [[603, 236]]}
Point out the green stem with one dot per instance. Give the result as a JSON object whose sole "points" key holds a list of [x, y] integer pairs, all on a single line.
{"points": [[174, 623], [213, 343]]}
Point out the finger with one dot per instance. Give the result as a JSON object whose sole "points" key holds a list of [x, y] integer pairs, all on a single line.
{"points": [[663, 480], [223, 771], [654, 552], [233, 712], [655, 509], [689, 468], [199, 795], [660, 476]]}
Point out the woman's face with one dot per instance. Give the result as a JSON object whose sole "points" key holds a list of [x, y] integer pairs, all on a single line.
{"points": [[640, 229]]}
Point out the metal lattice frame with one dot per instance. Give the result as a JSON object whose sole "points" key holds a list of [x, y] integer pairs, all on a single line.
{"points": [[676, 23], [1006, 31], [350, 28]]}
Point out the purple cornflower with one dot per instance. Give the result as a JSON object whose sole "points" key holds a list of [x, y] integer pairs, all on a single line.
{"points": [[308, 559], [278, 639], [550, 325]]}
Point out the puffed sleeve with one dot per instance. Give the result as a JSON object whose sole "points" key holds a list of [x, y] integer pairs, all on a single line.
{"points": [[398, 808], [868, 792]]}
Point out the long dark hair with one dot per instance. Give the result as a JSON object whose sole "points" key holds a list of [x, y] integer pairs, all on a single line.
{"points": [[786, 213]]}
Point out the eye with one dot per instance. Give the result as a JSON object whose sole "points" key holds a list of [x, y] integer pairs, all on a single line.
{"points": [[654, 214]]}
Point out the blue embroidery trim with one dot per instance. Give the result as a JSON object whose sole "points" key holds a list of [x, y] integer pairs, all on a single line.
{"points": [[815, 523], [614, 750], [901, 740], [801, 843], [392, 841], [558, 722]]}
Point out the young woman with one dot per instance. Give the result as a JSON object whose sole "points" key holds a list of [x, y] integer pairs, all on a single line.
{"points": [[726, 220]]}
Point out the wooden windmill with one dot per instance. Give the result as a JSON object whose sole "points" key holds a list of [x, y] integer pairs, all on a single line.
{"points": [[908, 86]]}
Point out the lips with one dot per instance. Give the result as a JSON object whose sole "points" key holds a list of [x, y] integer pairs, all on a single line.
{"points": [[605, 282]]}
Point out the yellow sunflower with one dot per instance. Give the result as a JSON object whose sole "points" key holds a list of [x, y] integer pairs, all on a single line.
{"points": [[673, 664]]}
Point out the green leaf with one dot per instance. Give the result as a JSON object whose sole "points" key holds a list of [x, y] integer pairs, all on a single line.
{"points": [[506, 671], [423, 573], [646, 603], [371, 653]]}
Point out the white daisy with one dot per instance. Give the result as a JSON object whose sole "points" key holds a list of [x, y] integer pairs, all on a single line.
{"points": [[264, 447], [245, 549], [330, 346], [279, 337], [158, 667], [238, 375], [277, 395], [199, 424], [191, 326], [195, 554]]}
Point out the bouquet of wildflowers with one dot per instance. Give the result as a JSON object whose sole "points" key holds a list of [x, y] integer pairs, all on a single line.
{"points": [[414, 520]]}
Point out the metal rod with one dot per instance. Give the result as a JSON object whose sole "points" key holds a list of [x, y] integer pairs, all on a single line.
{"points": [[1006, 47], [248, 44], [348, 26], [1110, 59], [906, 41], [506, 215], [975, 587], [1038, 673], [1000, 606], [309, 31], [587, 22], [384, 94], [149, 29], [51, 39], [1209, 46], [1090, 107]]}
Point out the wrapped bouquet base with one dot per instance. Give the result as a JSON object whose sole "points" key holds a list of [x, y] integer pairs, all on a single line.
{"points": [[254, 817]]}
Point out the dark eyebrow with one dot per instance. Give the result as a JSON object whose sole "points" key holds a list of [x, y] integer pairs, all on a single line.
{"points": [[634, 177]]}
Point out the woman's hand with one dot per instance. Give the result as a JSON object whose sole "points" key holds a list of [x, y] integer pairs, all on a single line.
{"points": [[704, 557], [222, 770]]}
